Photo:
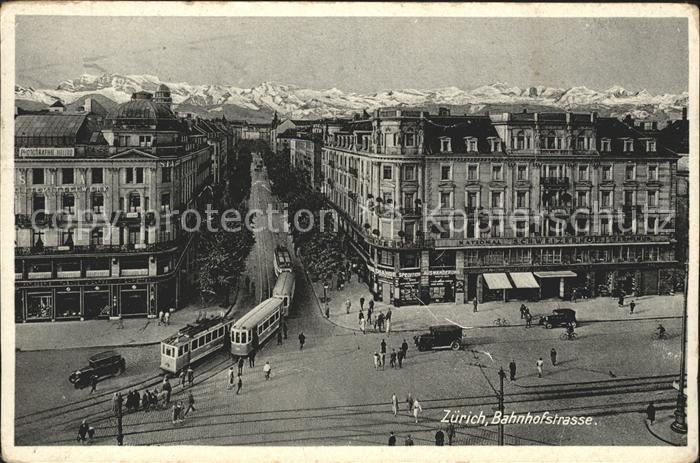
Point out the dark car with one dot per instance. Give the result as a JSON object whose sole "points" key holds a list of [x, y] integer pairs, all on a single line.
{"points": [[102, 364], [559, 317], [440, 337]]}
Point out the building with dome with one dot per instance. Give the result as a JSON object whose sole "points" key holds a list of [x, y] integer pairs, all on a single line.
{"points": [[98, 207]]}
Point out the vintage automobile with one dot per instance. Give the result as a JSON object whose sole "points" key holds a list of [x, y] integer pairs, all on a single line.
{"points": [[559, 317], [440, 337], [102, 364]]}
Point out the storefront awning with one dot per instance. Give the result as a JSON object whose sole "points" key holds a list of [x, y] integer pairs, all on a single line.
{"points": [[556, 274], [524, 280], [497, 281]]}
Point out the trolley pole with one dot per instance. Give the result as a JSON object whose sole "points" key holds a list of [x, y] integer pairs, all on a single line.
{"points": [[679, 424], [501, 375]]}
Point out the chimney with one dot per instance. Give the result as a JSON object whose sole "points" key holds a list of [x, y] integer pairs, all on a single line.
{"points": [[524, 110], [594, 117], [536, 116], [443, 111], [685, 113], [87, 106], [568, 117]]}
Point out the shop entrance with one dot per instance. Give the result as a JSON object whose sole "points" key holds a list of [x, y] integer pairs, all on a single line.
{"points": [[96, 304], [471, 286], [549, 287]]}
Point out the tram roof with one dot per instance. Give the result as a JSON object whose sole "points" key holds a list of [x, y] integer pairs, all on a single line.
{"points": [[258, 313], [284, 281], [190, 331]]}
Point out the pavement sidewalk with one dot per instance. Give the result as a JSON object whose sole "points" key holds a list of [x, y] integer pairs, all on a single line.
{"points": [[108, 333], [420, 317]]}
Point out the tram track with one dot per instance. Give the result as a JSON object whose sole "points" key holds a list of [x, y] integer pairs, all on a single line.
{"points": [[532, 400], [80, 406]]}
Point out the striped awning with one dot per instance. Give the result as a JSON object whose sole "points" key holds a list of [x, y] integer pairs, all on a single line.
{"points": [[556, 274], [524, 280], [497, 281]]}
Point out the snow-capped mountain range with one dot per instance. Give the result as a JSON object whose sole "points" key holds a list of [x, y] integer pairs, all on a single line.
{"points": [[298, 102]]}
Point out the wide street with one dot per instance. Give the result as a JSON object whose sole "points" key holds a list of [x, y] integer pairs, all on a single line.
{"points": [[330, 392]]}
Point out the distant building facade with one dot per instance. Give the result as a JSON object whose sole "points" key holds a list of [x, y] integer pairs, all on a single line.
{"points": [[443, 208]]}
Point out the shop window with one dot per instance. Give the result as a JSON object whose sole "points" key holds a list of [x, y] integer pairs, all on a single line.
{"points": [[551, 256], [39, 306], [409, 260], [471, 257], [386, 258], [442, 259]]}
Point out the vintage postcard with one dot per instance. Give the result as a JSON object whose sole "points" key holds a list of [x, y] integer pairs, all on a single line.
{"points": [[344, 232]]}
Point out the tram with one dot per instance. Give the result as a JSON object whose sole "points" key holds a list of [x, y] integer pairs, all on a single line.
{"points": [[193, 342], [257, 326], [284, 290], [283, 260]]}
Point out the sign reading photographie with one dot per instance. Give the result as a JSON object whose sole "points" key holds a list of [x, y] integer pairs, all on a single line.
{"points": [[46, 152]]}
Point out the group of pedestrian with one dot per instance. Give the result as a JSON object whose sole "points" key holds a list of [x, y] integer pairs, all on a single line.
{"points": [[539, 364], [232, 377], [186, 377], [392, 440], [164, 318], [525, 314], [396, 359], [85, 432]]}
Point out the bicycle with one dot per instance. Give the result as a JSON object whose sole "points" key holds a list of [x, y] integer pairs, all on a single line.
{"points": [[500, 322], [568, 336]]}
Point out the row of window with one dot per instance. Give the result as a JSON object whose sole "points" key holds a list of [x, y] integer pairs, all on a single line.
{"points": [[267, 323], [127, 235], [196, 343], [583, 172], [97, 202], [132, 175], [522, 199], [474, 257]]}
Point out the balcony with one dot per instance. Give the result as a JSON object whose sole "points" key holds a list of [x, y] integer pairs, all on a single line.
{"points": [[97, 273], [555, 182], [19, 275], [68, 274], [39, 275], [134, 272], [134, 217], [556, 152], [99, 248]]}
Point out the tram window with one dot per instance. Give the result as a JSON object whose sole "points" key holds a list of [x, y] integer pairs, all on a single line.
{"points": [[221, 331], [180, 351], [162, 348], [215, 334], [243, 338], [208, 338], [238, 337], [196, 343], [187, 348]]}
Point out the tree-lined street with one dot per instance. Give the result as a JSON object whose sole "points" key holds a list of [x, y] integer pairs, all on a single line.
{"points": [[330, 393]]}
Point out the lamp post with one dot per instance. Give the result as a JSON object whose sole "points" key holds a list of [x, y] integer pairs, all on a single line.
{"points": [[679, 424], [501, 375]]}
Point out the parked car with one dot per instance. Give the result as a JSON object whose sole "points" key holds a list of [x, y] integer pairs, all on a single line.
{"points": [[103, 364], [559, 317], [440, 337]]}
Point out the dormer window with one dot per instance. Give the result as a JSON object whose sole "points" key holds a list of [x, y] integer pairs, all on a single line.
{"points": [[628, 145], [651, 146], [470, 143], [445, 145], [495, 144], [605, 145]]}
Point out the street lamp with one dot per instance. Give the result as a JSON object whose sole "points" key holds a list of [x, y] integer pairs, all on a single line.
{"points": [[502, 376], [679, 425]]}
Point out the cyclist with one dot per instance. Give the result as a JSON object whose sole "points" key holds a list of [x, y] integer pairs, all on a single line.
{"points": [[569, 330]]}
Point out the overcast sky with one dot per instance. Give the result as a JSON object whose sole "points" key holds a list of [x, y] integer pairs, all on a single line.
{"points": [[359, 54]]}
